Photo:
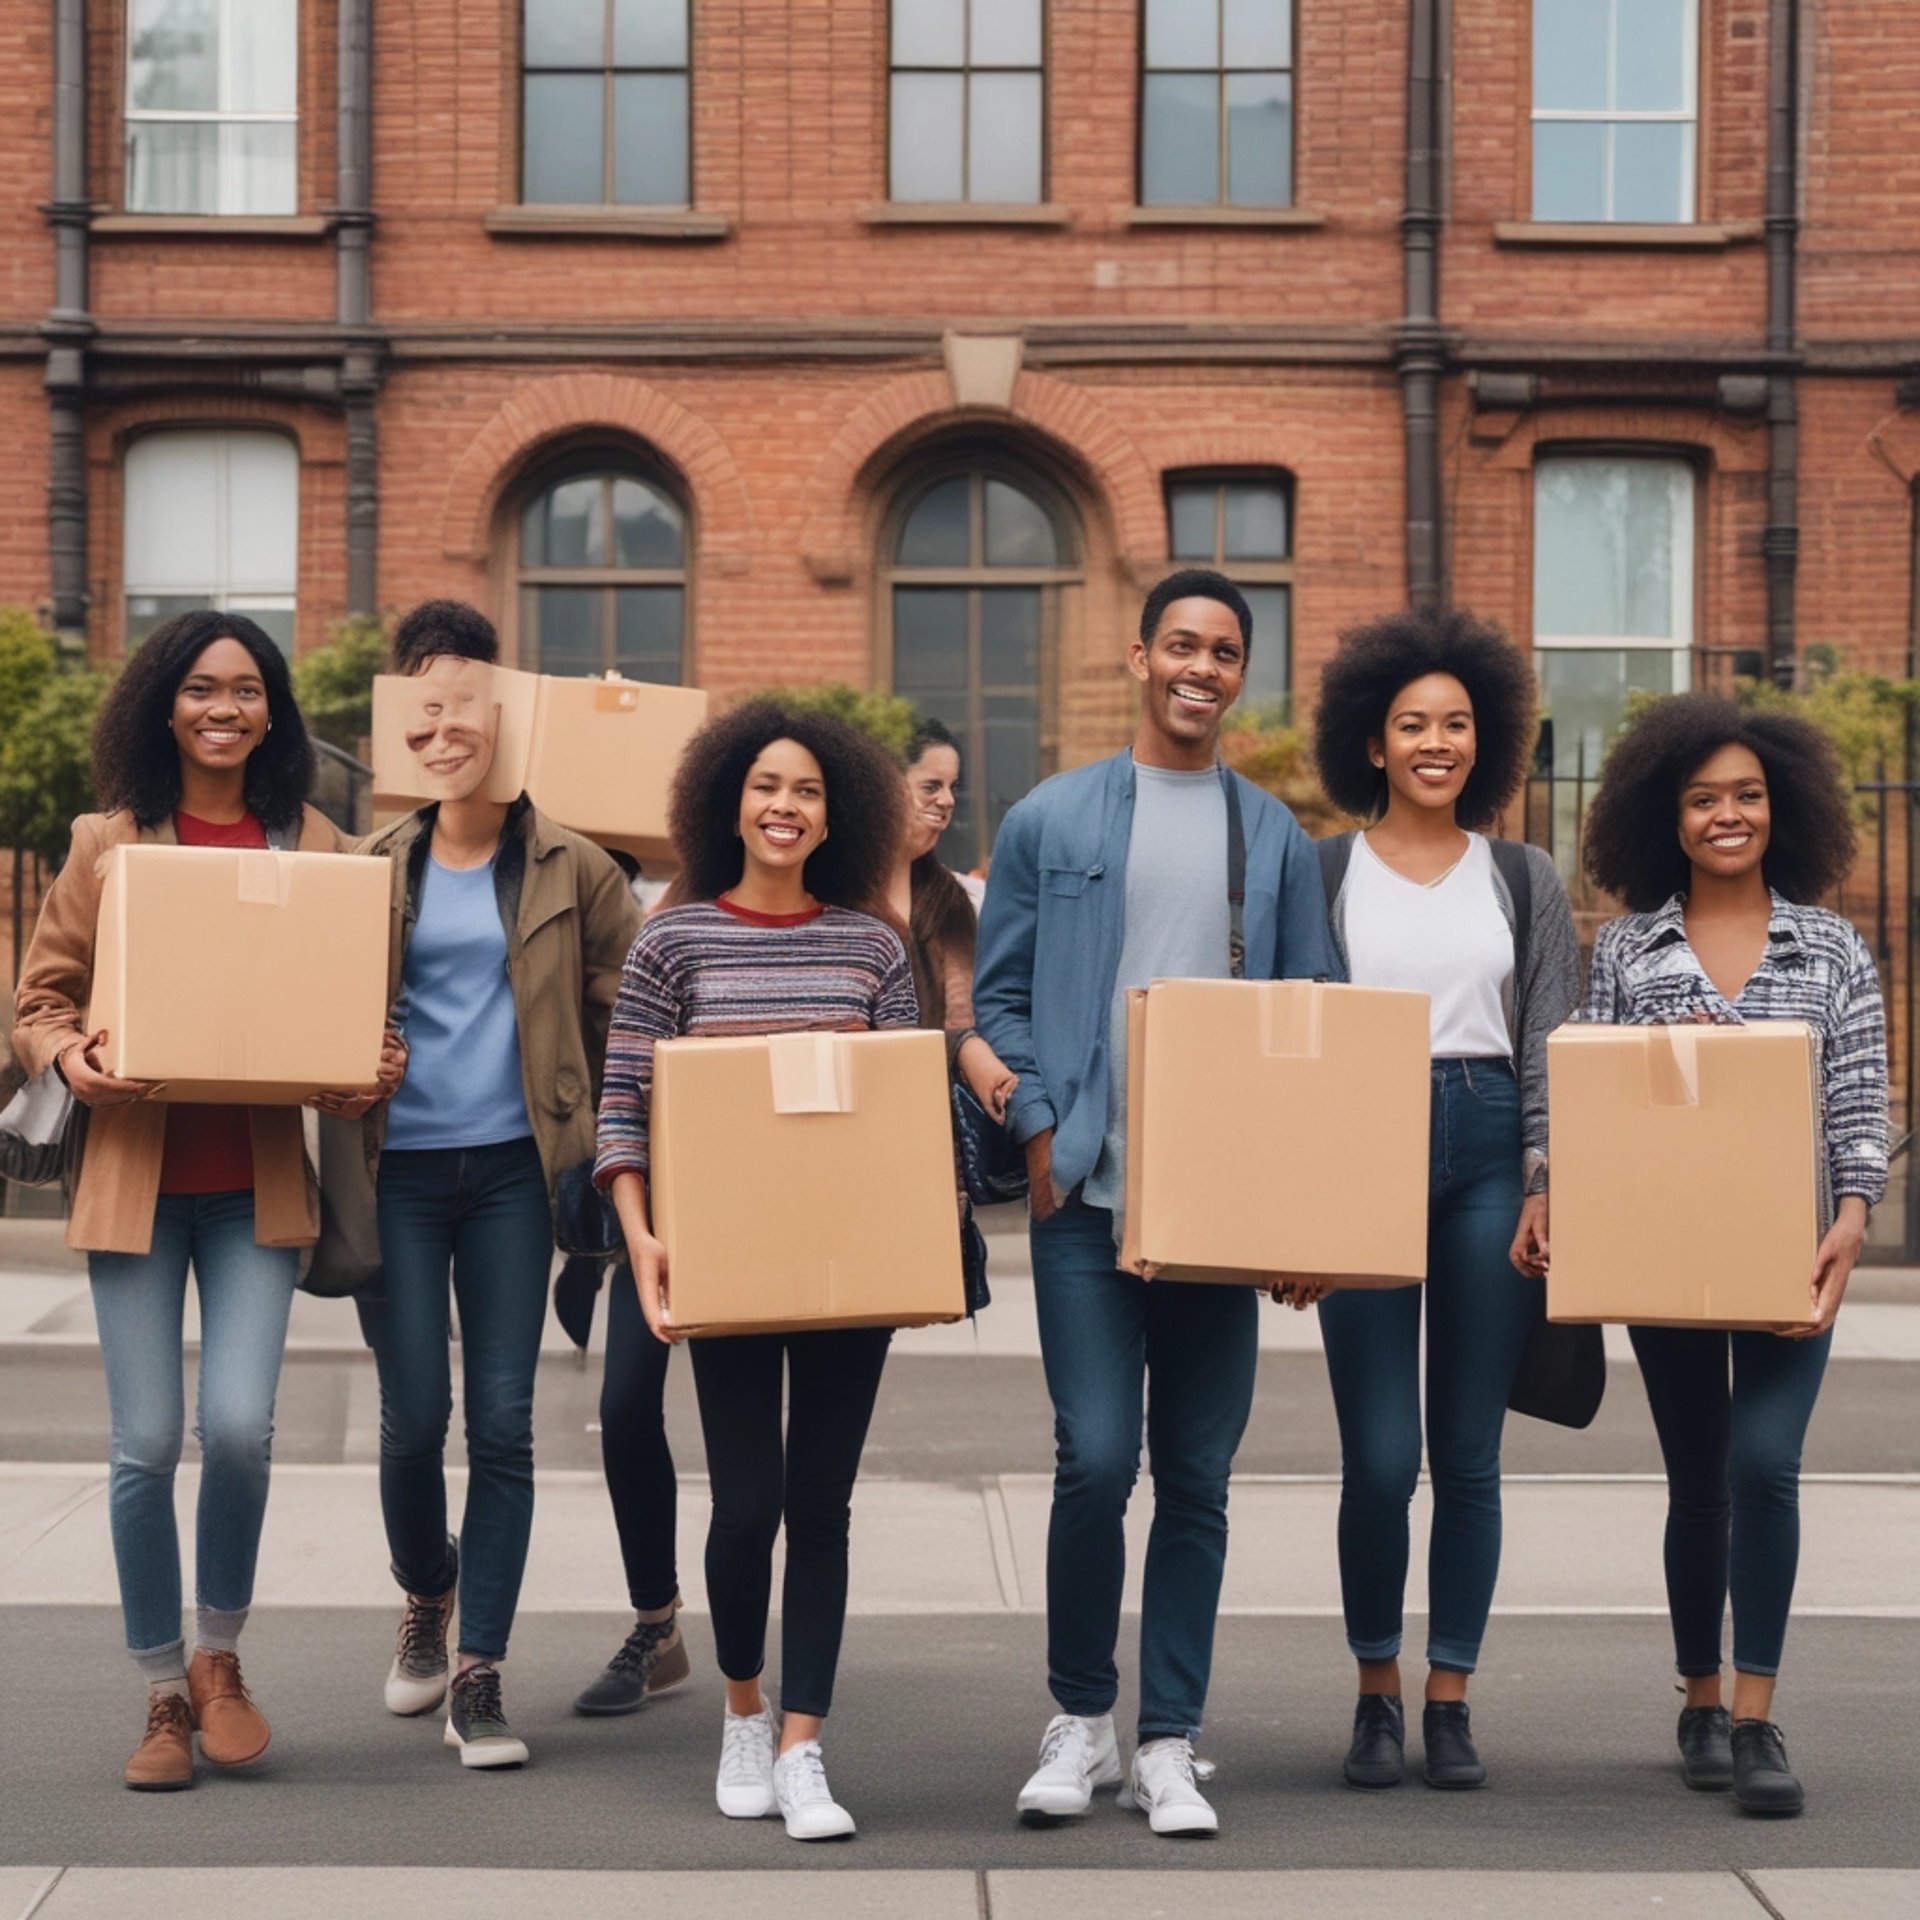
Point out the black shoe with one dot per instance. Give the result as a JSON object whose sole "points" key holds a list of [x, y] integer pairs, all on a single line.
{"points": [[1762, 1780], [1452, 1758], [1706, 1748], [1378, 1755], [635, 1673]]}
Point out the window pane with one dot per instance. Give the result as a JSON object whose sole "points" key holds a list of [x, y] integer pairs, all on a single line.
{"points": [[1190, 513], [1650, 170], [1570, 55], [930, 648], [1256, 521], [172, 515], [650, 153], [564, 624], [1003, 155], [262, 60], [1609, 543], [173, 166], [562, 138], [936, 531], [1584, 690], [145, 611], [1569, 171], [1006, 33], [1259, 33], [929, 33], [259, 167], [173, 55], [1180, 140], [275, 621], [1010, 638], [262, 499], [566, 33], [1259, 139], [925, 137], [566, 526], [1650, 53], [650, 33], [647, 528], [1270, 664], [647, 624], [1183, 33], [1019, 533], [1012, 757]]}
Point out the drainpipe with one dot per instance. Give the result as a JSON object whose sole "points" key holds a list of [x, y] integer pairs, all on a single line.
{"points": [[1781, 542], [1417, 341], [360, 371], [69, 326]]}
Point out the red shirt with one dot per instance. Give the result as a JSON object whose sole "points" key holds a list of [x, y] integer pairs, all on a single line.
{"points": [[210, 1149]]}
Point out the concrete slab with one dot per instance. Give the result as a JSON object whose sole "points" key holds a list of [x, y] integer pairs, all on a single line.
{"points": [[1841, 1893], [21, 1889]]}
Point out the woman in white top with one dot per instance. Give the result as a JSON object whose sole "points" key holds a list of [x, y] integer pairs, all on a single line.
{"points": [[1424, 729]]}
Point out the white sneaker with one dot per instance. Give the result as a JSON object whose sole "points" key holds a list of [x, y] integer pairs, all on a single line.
{"points": [[806, 1802], [744, 1790], [1161, 1785], [1076, 1756]]}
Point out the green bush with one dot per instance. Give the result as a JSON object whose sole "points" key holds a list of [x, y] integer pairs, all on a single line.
{"points": [[1273, 754], [885, 718], [334, 683]]}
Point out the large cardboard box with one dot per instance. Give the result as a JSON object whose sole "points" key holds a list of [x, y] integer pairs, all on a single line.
{"points": [[1277, 1130], [244, 976], [1685, 1174], [806, 1180]]}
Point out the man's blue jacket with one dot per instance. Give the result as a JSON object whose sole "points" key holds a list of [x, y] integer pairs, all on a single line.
{"points": [[1052, 928]]}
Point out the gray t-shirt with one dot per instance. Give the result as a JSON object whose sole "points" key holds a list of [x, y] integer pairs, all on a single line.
{"points": [[1178, 926]]}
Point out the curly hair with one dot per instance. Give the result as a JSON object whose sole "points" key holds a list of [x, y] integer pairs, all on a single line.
{"points": [[1374, 662], [1633, 838], [866, 805], [136, 763], [1195, 583], [435, 627]]}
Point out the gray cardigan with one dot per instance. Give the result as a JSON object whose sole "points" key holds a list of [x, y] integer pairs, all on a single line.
{"points": [[1546, 998]]}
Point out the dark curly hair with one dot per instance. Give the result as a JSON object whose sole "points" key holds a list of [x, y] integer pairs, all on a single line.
{"points": [[1633, 837], [1375, 661], [1195, 583], [136, 763], [435, 627], [866, 805]]}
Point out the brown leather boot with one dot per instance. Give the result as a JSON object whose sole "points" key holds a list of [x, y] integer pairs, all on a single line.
{"points": [[163, 1761], [232, 1729]]}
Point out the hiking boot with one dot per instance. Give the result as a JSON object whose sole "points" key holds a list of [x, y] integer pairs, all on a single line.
{"points": [[651, 1660], [477, 1722], [417, 1680], [232, 1729], [163, 1761]]}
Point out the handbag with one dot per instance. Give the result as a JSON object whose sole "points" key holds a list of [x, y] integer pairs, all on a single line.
{"points": [[43, 1128], [346, 1258], [1562, 1375], [973, 1264], [584, 1222], [993, 1165]]}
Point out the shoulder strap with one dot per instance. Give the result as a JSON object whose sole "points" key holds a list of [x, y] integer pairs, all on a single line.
{"points": [[1236, 879], [1335, 851], [1510, 860]]}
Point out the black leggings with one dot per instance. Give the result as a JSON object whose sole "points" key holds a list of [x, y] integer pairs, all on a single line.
{"points": [[633, 1446], [833, 1379]]}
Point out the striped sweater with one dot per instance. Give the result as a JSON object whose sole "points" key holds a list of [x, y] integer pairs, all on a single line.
{"points": [[705, 970]]}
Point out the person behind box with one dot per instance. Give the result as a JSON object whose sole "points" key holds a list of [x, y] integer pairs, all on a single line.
{"points": [[198, 744], [1103, 879], [1720, 829], [508, 933], [1424, 729], [786, 823]]}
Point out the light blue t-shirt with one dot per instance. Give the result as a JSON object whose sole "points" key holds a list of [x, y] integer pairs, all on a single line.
{"points": [[463, 1085]]}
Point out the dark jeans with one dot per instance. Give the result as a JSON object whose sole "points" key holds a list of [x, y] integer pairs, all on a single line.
{"points": [[1478, 1313], [633, 1447], [1731, 1438], [832, 1377], [1104, 1336], [484, 1212]]}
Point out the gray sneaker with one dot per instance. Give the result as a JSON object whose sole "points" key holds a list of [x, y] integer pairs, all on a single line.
{"points": [[417, 1679], [651, 1660], [477, 1722]]}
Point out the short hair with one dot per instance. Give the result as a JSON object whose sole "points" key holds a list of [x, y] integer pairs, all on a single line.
{"points": [[435, 627], [1371, 665], [1633, 829], [866, 805], [136, 763], [1196, 583], [930, 733]]}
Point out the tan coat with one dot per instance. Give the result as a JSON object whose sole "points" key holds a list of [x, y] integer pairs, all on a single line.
{"points": [[119, 1185]]}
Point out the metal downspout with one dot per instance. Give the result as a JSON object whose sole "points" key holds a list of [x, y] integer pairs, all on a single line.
{"points": [[1417, 341], [68, 326], [1781, 542], [360, 369]]}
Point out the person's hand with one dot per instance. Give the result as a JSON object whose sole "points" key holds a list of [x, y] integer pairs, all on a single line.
{"points": [[990, 1078], [647, 1255], [1833, 1267], [1300, 1291], [349, 1103], [1529, 1250], [1039, 1152], [92, 1085]]}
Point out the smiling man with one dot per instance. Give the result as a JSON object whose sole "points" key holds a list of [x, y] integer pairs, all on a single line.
{"points": [[1154, 864]]}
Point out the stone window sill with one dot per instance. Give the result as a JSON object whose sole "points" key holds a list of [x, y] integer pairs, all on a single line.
{"points": [[1700, 235], [1224, 217], [217, 226], [964, 213], [606, 223]]}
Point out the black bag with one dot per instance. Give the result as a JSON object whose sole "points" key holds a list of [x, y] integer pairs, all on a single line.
{"points": [[993, 1165], [346, 1258], [584, 1222], [973, 1264]]}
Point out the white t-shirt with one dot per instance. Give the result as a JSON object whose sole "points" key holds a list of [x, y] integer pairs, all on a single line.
{"points": [[1449, 940]]}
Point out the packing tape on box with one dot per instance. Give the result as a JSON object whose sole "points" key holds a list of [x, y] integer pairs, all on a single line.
{"points": [[1673, 1066], [810, 1072], [264, 879], [616, 696], [1290, 1022]]}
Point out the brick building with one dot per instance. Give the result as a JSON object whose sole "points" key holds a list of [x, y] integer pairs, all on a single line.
{"points": [[771, 340]]}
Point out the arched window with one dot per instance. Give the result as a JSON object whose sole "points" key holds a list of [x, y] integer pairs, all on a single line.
{"points": [[603, 575], [979, 553]]}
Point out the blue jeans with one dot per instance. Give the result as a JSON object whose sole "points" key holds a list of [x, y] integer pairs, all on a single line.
{"points": [[1731, 1438], [484, 1212], [1104, 1335], [139, 1301], [1478, 1312]]}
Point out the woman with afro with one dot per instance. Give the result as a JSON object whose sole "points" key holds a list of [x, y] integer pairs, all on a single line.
{"points": [[1425, 725], [1719, 828], [787, 824]]}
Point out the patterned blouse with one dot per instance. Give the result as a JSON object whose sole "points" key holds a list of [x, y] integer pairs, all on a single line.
{"points": [[1815, 968]]}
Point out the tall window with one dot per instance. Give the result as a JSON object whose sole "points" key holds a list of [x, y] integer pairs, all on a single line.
{"points": [[978, 560], [603, 577], [604, 104], [967, 101], [212, 519], [1244, 528], [1216, 104], [1615, 109], [212, 106]]}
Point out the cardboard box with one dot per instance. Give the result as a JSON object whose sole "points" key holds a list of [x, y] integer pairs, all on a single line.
{"points": [[596, 755], [1276, 1130], [242, 976], [806, 1180], [1685, 1175]]}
